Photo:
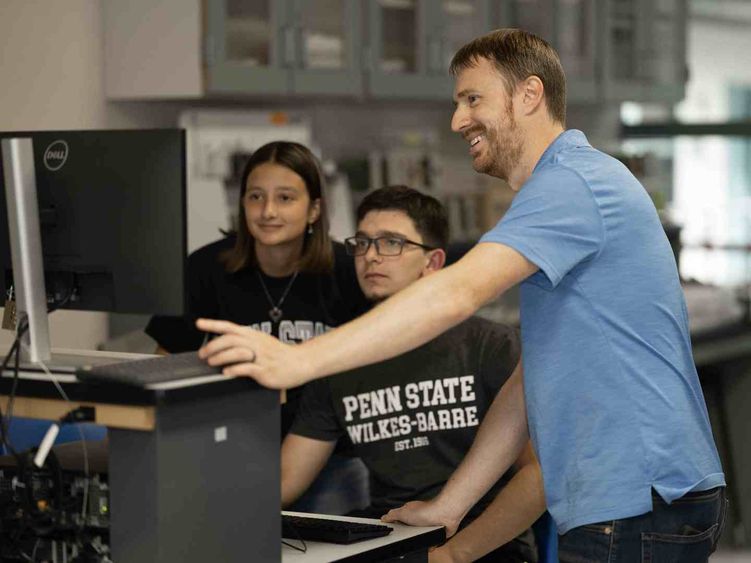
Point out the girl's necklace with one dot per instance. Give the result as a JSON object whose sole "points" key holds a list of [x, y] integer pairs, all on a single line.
{"points": [[275, 313]]}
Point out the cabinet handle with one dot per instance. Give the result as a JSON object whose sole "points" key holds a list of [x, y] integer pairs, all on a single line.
{"points": [[434, 55], [443, 56], [209, 54], [289, 45], [367, 58], [301, 54]]}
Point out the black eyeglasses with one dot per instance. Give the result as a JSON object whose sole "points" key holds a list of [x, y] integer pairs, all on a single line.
{"points": [[385, 246]]}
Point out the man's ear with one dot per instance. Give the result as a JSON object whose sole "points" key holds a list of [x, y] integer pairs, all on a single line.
{"points": [[532, 93], [436, 261]]}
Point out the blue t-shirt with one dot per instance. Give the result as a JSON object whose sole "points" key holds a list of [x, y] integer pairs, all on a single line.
{"points": [[613, 399]]}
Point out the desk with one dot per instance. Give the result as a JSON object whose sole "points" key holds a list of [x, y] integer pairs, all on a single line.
{"points": [[193, 468], [406, 544]]}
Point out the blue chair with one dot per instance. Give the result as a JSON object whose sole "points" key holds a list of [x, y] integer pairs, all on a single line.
{"points": [[546, 537], [25, 433]]}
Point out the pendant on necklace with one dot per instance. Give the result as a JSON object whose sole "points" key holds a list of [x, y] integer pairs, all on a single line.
{"points": [[275, 313]]}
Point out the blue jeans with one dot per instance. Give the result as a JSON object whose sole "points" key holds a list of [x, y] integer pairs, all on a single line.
{"points": [[685, 531]]}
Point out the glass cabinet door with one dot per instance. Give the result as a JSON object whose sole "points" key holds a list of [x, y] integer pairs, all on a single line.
{"points": [[624, 49], [574, 39], [536, 16], [461, 22], [413, 41], [327, 36], [666, 56], [245, 47], [398, 33], [569, 26], [248, 38]]}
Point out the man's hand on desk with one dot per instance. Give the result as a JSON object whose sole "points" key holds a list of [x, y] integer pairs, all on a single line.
{"points": [[252, 353], [423, 513]]}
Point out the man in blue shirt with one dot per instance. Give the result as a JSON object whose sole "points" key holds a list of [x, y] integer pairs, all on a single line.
{"points": [[609, 396]]}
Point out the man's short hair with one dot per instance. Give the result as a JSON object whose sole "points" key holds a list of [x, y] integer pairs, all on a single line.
{"points": [[426, 212], [517, 55]]}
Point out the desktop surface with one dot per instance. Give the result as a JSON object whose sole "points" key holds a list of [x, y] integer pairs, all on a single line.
{"points": [[403, 540]]}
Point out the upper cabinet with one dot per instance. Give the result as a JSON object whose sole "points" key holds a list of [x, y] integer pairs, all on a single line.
{"points": [[644, 50], [384, 49], [283, 47], [574, 36], [249, 47], [571, 27], [667, 68], [328, 47], [411, 42]]}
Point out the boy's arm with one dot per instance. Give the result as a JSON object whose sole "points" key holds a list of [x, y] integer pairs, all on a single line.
{"points": [[302, 461], [514, 509], [500, 440]]}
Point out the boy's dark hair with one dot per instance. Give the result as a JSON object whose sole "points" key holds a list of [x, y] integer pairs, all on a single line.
{"points": [[517, 55], [426, 212]]}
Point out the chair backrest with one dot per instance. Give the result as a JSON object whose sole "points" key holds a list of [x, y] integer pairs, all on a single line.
{"points": [[25, 433]]}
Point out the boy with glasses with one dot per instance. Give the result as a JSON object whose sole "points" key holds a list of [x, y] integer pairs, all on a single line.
{"points": [[413, 418]]}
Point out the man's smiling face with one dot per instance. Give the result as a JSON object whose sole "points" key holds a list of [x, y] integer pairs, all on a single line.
{"points": [[484, 116]]}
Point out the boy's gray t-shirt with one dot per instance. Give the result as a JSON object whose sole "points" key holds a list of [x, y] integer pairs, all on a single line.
{"points": [[413, 418]]}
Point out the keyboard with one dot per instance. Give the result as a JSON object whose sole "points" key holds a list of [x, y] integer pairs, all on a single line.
{"points": [[173, 367], [331, 531]]}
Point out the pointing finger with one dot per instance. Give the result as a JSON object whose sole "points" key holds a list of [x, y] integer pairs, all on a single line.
{"points": [[219, 327]]}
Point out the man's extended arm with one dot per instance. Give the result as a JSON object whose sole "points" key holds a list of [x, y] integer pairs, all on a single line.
{"points": [[499, 442], [410, 318], [515, 508], [302, 461]]}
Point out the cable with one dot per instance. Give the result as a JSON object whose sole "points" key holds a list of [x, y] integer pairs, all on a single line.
{"points": [[23, 326], [304, 547], [14, 352], [84, 448]]}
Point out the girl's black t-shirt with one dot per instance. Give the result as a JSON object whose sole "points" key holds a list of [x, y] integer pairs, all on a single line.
{"points": [[314, 304]]}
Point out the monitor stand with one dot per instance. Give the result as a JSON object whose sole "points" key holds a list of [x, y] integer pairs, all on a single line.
{"points": [[26, 246]]}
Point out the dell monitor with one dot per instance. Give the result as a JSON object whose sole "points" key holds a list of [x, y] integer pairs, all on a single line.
{"points": [[109, 211]]}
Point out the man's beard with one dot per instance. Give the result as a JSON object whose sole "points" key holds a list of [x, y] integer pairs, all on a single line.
{"points": [[504, 150]]}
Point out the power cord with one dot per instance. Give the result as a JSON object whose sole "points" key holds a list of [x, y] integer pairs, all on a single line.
{"points": [[31, 517], [15, 351], [75, 415]]}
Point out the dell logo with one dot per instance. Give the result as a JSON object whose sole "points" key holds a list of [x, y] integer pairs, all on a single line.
{"points": [[55, 155]]}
